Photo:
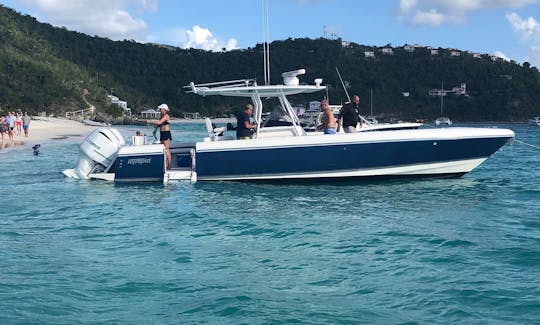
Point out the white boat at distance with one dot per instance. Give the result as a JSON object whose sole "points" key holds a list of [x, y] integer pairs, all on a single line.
{"points": [[94, 123], [288, 153], [443, 121]]}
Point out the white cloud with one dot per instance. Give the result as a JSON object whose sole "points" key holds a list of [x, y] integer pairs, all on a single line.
{"points": [[431, 18], [527, 28], [106, 18], [202, 38], [118, 20], [437, 12], [501, 55], [529, 31]]}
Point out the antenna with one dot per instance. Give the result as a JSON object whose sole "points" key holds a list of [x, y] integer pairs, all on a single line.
{"points": [[343, 84], [266, 46], [442, 95], [371, 101]]}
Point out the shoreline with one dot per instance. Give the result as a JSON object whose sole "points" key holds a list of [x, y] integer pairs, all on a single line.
{"points": [[220, 120], [46, 130]]}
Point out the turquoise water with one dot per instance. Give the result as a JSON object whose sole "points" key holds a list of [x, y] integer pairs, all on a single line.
{"points": [[455, 251]]}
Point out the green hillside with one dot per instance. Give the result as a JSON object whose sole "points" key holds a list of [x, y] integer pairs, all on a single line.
{"points": [[44, 68]]}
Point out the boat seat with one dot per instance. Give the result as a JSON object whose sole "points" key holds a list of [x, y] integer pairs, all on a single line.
{"points": [[215, 134]]}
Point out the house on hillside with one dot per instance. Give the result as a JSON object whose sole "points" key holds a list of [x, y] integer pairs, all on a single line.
{"points": [[121, 103], [369, 54], [345, 44], [191, 116], [388, 51], [151, 113], [457, 91], [455, 53], [434, 52], [409, 48]]}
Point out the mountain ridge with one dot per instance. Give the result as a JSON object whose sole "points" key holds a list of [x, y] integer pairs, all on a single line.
{"points": [[46, 68]]}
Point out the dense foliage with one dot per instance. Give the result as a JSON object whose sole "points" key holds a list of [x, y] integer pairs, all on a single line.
{"points": [[47, 68]]}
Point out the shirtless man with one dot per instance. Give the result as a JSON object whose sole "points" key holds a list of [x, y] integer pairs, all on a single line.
{"points": [[328, 119]]}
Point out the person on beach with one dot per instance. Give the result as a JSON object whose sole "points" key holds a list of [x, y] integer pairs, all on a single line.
{"points": [[25, 123], [4, 126], [164, 131], [18, 123], [328, 120], [10, 119], [348, 116], [244, 127]]}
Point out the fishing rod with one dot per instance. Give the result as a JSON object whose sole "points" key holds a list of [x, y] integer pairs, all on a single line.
{"points": [[349, 98]]}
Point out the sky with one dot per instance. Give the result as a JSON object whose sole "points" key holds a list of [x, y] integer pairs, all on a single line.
{"points": [[507, 28]]}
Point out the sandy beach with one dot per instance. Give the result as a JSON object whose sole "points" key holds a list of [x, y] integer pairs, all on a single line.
{"points": [[47, 130]]}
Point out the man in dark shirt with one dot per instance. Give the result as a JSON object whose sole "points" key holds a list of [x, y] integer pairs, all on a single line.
{"points": [[244, 126], [348, 116]]}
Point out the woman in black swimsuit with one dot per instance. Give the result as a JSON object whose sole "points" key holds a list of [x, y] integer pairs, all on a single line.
{"points": [[164, 131]]}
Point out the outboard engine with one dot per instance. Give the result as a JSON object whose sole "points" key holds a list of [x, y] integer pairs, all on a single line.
{"points": [[96, 153]]}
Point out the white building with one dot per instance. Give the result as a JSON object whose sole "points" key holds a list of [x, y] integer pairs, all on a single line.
{"points": [[121, 103], [388, 51], [118, 102], [190, 115], [455, 53], [462, 90], [434, 52], [369, 54], [409, 48], [151, 113]]}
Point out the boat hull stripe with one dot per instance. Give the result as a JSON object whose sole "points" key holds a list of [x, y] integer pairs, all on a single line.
{"points": [[340, 158]]}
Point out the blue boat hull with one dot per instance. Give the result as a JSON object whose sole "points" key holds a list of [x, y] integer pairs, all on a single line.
{"points": [[333, 160]]}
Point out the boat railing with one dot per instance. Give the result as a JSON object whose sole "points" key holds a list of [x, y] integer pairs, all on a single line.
{"points": [[221, 85]]}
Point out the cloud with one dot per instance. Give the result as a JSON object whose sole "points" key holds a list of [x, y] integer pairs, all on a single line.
{"points": [[202, 38], [431, 18], [501, 55], [106, 18], [526, 28], [437, 12], [529, 31]]}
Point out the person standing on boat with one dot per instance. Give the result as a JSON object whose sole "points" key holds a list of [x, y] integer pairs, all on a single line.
{"points": [[164, 131], [349, 116], [328, 119], [244, 127]]}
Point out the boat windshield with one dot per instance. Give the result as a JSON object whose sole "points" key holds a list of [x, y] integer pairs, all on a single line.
{"points": [[277, 114]]}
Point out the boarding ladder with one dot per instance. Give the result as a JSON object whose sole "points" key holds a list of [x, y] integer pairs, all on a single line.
{"points": [[183, 166]]}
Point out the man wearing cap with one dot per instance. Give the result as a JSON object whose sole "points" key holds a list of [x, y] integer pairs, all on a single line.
{"points": [[244, 126], [164, 131]]}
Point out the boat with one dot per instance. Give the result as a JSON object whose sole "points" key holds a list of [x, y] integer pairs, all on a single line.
{"points": [[535, 120], [443, 121], [287, 153], [94, 123]]}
